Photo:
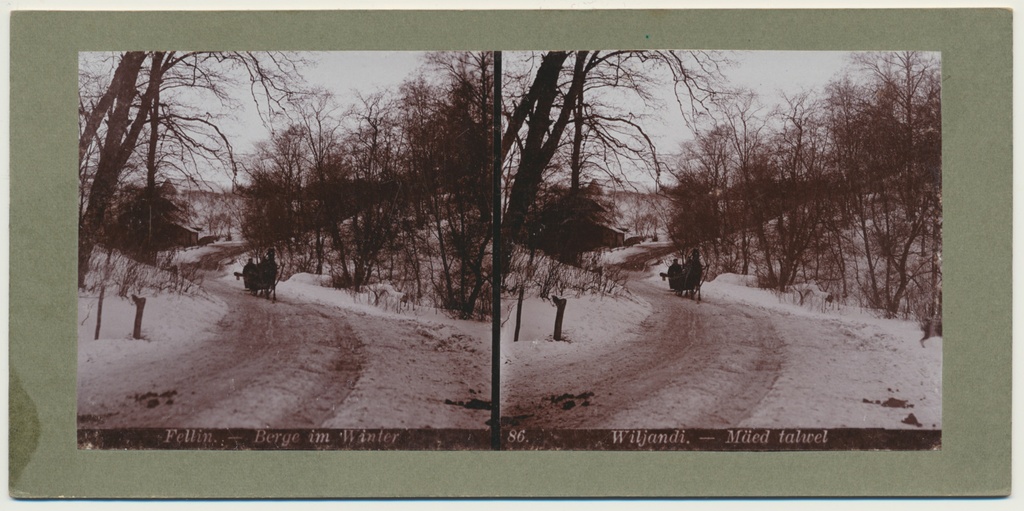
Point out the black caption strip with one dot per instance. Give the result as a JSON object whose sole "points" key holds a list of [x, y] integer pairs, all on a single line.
{"points": [[369, 439], [738, 439], [513, 439]]}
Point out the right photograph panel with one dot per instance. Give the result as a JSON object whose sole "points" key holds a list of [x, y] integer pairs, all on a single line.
{"points": [[721, 250]]}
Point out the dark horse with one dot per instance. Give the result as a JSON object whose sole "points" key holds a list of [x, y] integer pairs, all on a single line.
{"points": [[261, 278], [686, 280]]}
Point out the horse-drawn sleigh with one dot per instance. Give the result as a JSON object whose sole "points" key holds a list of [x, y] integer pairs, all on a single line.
{"points": [[260, 278], [686, 280]]}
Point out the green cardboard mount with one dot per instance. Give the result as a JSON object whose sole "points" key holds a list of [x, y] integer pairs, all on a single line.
{"points": [[974, 459]]}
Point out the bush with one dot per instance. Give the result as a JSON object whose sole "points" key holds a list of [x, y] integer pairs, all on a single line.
{"points": [[127, 276], [546, 276]]}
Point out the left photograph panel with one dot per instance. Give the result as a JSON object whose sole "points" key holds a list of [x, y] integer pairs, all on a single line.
{"points": [[285, 250]]}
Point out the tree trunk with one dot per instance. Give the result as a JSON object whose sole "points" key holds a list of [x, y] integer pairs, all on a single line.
{"points": [[140, 305], [319, 250], [576, 160], [119, 142], [154, 138], [124, 79], [542, 139]]}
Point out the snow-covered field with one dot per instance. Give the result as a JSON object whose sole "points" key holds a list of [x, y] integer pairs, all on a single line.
{"points": [[590, 324]]}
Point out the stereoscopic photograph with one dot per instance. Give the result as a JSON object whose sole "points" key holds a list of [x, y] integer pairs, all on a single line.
{"points": [[640, 254], [285, 250], [721, 250]]}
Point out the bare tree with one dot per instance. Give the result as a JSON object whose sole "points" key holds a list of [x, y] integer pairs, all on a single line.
{"points": [[448, 126], [745, 128], [796, 185], [318, 116], [899, 208], [370, 159], [567, 87], [701, 191], [277, 172], [147, 91]]}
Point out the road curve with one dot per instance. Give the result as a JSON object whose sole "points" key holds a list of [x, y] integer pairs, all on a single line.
{"points": [[264, 365], [687, 364]]}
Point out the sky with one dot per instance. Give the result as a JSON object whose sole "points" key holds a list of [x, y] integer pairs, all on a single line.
{"points": [[346, 74], [350, 74], [772, 75], [771, 72]]}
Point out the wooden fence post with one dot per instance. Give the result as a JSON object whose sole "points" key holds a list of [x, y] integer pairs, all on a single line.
{"points": [[519, 311], [559, 312], [99, 312], [140, 304]]}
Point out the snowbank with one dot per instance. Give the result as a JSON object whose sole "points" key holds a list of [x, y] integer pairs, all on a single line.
{"points": [[195, 254], [842, 367], [743, 289], [376, 299], [618, 255], [170, 323], [733, 279], [751, 359]]}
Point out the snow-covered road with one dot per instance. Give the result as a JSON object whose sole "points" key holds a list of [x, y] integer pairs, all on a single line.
{"points": [[321, 357], [681, 365], [312, 359], [743, 357], [265, 364], [716, 362]]}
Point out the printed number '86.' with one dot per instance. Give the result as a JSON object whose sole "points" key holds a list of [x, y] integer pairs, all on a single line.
{"points": [[516, 437]]}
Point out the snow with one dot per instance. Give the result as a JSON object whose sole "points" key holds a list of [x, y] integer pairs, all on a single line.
{"points": [[316, 357], [743, 357], [618, 255], [161, 319], [195, 254], [164, 333], [589, 323], [733, 279]]}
